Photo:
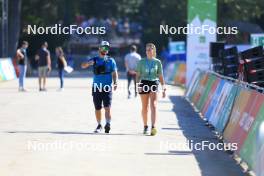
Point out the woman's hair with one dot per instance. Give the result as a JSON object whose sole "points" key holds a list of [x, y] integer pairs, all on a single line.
{"points": [[152, 46], [60, 51]]}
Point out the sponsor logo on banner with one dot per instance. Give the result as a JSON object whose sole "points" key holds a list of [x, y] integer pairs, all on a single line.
{"points": [[223, 96], [210, 95], [239, 108], [250, 149], [207, 89], [200, 89], [174, 72], [226, 110], [194, 83], [246, 120], [215, 99]]}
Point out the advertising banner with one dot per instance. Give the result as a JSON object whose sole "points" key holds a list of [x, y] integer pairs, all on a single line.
{"points": [[210, 95], [200, 13], [208, 87], [201, 88], [215, 99], [2, 76], [241, 101], [192, 86], [247, 119], [226, 110], [175, 73], [220, 104], [251, 146], [7, 70], [257, 40]]}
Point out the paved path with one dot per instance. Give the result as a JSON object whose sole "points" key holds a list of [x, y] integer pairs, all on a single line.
{"points": [[50, 134]]}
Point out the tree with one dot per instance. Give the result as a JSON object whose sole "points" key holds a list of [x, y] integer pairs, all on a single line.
{"points": [[14, 11]]}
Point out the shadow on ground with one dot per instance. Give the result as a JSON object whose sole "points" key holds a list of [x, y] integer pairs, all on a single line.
{"points": [[211, 163], [72, 133]]}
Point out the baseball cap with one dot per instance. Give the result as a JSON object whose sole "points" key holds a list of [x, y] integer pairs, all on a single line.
{"points": [[105, 43]]}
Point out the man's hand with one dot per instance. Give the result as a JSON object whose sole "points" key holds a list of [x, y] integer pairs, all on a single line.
{"points": [[49, 68], [115, 78], [87, 64]]}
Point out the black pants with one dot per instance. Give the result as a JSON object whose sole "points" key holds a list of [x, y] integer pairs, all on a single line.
{"points": [[61, 76], [129, 79], [100, 98]]}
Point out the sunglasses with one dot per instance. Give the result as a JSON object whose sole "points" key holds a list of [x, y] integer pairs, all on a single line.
{"points": [[105, 48]]}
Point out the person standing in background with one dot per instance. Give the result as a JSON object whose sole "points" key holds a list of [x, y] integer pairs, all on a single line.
{"points": [[44, 65], [21, 55], [61, 62], [131, 61]]}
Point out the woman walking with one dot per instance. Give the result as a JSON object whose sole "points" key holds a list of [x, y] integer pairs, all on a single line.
{"points": [[149, 75], [61, 62]]}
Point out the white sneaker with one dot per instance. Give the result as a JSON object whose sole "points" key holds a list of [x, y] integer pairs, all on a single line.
{"points": [[60, 89], [21, 89]]}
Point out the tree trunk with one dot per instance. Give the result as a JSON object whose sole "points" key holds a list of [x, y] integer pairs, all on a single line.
{"points": [[14, 14]]}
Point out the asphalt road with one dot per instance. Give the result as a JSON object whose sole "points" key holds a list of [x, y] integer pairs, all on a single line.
{"points": [[51, 134]]}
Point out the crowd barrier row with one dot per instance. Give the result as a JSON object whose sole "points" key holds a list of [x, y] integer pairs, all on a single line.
{"points": [[7, 71], [235, 109]]}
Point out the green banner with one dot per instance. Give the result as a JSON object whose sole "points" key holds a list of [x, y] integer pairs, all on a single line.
{"points": [[251, 146], [201, 13], [204, 9]]}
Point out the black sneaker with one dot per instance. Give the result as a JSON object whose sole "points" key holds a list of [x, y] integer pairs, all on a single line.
{"points": [[145, 131], [98, 128], [107, 127]]}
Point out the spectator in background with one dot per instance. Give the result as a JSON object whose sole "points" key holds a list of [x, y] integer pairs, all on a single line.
{"points": [[131, 61], [22, 58], [61, 62], [164, 55], [44, 65], [126, 27]]}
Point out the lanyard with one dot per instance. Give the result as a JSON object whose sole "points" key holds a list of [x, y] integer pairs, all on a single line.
{"points": [[149, 66]]}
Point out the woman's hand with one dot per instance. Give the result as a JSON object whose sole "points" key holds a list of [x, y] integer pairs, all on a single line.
{"points": [[164, 93]]}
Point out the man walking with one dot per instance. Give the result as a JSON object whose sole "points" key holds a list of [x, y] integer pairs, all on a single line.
{"points": [[104, 80], [131, 61], [44, 65]]}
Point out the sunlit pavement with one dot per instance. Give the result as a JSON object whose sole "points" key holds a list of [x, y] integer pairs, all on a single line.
{"points": [[51, 133]]}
